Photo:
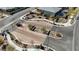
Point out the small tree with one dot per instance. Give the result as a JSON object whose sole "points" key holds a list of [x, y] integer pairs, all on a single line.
{"points": [[1, 39], [58, 34], [9, 48], [30, 26], [1, 13], [44, 30]]}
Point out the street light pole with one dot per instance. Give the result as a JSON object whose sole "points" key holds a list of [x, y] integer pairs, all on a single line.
{"points": [[73, 41]]}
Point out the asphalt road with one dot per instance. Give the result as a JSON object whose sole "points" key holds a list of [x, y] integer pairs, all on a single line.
{"points": [[12, 18], [70, 40], [76, 36], [64, 44]]}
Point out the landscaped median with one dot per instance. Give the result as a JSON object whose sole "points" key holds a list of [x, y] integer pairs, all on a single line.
{"points": [[10, 42]]}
